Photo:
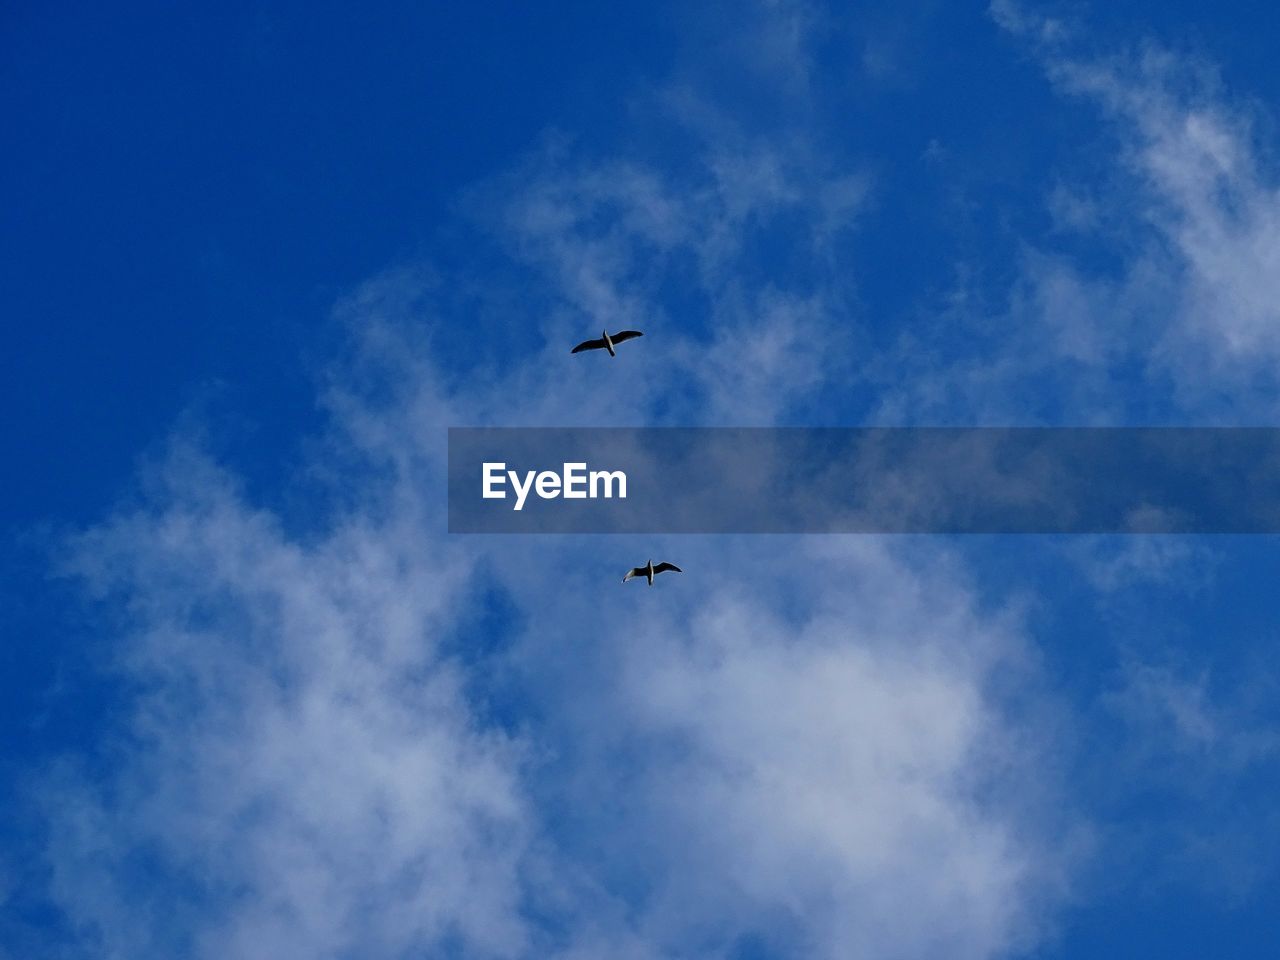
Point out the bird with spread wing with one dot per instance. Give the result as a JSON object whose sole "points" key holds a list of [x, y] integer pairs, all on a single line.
{"points": [[649, 571], [607, 342]]}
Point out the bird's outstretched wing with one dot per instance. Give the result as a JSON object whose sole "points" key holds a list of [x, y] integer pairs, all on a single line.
{"points": [[626, 335], [588, 345], [636, 572], [663, 567]]}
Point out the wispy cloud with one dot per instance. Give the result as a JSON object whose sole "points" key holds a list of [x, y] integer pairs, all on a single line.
{"points": [[298, 769], [1152, 297], [327, 747], [1193, 217], [1203, 740], [359, 735]]}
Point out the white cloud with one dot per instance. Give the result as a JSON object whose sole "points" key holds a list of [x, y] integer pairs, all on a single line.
{"points": [[1200, 735], [829, 768], [791, 743], [1115, 563], [1153, 296], [1193, 211], [606, 243], [1177, 717], [305, 765], [300, 770]]}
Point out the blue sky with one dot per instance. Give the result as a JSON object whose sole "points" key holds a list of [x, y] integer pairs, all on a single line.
{"points": [[256, 258]]}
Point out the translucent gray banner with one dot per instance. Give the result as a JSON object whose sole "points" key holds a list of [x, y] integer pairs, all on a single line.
{"points": [[864, 480]]}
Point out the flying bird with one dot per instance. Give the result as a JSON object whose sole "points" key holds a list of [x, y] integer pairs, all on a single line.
{"points": [[607, 342], [649, 571]]}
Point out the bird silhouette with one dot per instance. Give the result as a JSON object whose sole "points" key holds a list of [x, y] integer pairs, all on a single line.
{"points": [[649, 571], [607, 342]]}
